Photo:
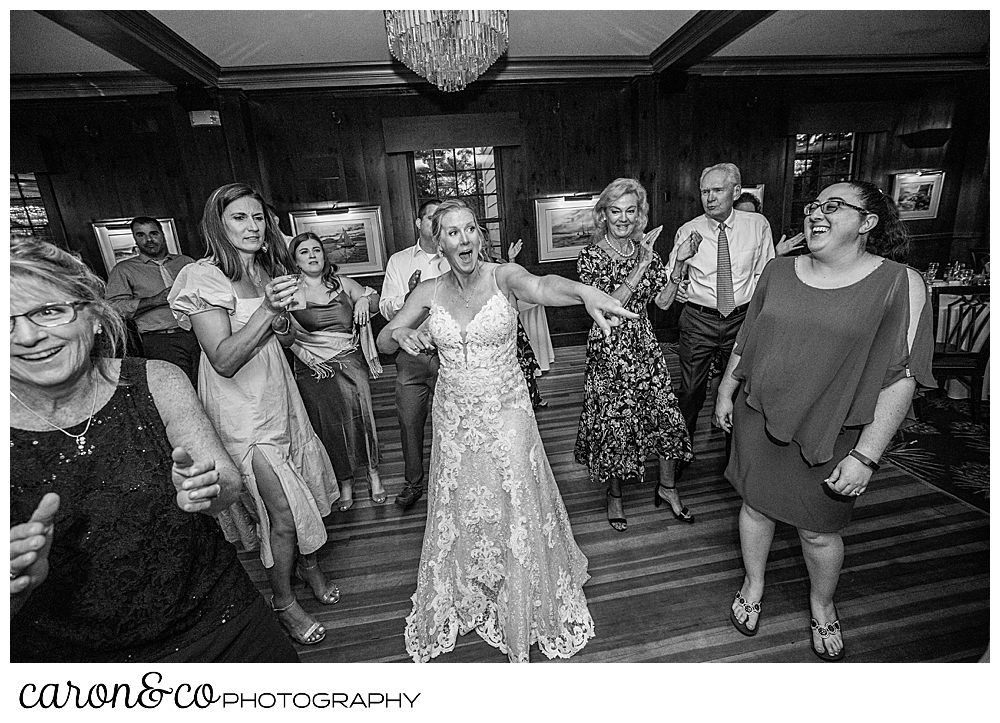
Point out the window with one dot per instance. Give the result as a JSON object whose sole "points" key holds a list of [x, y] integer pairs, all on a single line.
{"points": [[820, 159], [27, 213], [466, 173]]}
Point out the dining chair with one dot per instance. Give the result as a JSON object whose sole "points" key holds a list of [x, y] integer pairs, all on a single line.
{"points": [[962, 338]]}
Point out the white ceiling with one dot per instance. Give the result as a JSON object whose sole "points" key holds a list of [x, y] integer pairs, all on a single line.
{"points": [[246, 38]]}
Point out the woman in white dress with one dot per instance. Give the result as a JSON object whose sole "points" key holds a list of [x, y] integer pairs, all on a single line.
{"points": [[236, 300], [498, 554]]}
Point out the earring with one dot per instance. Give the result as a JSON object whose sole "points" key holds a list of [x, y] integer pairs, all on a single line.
{"points": [[263, 247], [100, 329]]}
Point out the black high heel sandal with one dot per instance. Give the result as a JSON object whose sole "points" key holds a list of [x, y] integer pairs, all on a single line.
{"points": [[685, 514], [613, 520]]}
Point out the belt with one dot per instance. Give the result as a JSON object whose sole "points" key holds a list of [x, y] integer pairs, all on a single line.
{"points": [[715, 312], [175, 330]]}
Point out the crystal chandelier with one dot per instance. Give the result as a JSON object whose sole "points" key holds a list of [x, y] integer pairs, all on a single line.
{"points": [[451, 48]]}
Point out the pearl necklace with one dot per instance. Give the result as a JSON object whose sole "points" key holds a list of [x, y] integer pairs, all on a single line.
{"points": [[81, 438], [618, 251]]}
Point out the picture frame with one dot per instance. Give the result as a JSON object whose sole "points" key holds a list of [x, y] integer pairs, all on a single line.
{"points": [[564, 226], [917, 194], [756, 191], [352, 237], [114, 238]]}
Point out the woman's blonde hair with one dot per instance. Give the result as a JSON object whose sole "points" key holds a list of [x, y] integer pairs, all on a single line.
{"points": [[612, 192], [37, 261]]}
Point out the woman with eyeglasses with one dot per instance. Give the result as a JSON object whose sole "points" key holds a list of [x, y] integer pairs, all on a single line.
{"points": [[823, 371], [114, 555]]}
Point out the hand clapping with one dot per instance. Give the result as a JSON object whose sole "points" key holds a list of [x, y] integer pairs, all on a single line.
{"points": [[646, 245], [688, 247], [30, 543]]}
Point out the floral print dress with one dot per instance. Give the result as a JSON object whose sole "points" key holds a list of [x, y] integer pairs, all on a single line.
{"points": [[629, 408]]}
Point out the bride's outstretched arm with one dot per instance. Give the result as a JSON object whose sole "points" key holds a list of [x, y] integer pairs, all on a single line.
{"points": [[553, 290]]}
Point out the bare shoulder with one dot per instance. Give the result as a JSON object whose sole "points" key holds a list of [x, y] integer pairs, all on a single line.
{"points": [[918, 291], [351, 286]]}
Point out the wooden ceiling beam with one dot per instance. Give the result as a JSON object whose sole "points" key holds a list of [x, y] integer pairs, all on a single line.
{"points": [[702, 36], [142, 41]]}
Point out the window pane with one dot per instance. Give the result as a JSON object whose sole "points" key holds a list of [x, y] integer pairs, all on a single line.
{"points": [[490, 181], [464, 158], [491, 206], [476, 204], [467, 183], [425, 186], [484, 157], [447, 187], [444, 159], [423, 161]]}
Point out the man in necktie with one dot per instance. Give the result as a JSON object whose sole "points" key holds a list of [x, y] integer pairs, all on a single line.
{"points": [[415, 375], [735, 246], [138, 288]]}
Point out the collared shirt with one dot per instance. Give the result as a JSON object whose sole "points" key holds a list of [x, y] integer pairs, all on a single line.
{"points": [[750, 248], [139, 278], [398, 271]]}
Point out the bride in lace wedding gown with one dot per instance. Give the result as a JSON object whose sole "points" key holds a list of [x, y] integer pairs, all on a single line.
{"points": [[498, 554]]}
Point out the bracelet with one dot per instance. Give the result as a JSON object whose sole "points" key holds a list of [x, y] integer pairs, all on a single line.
{"points": [[629, 286], [282, 332], [869, 463]]}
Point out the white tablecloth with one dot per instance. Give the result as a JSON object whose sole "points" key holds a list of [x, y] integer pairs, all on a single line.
{"points": [[536, 325], [955, 388]]}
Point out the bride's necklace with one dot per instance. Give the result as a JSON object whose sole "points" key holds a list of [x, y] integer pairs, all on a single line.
{"points": [[614, 247], [472, 285], [81, 438]]}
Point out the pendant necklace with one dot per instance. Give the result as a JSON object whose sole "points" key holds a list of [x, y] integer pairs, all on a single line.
{"points": [[468, 299], [619, 251], [81, 438]]}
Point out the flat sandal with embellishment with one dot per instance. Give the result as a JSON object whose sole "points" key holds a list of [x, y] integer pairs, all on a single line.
{"points": [[751, 609]]}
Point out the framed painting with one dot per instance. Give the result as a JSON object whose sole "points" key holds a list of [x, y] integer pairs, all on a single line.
{"points": [[352, 237], [114, 237], [565, 225], [917, 194]]}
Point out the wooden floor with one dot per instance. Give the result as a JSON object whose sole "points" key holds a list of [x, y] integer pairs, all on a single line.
{"points": [[915, 583]]}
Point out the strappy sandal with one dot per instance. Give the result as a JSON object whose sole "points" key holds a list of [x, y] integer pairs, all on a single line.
{"points": [[751, 609], [309, 637], [332, 592], [347, 504], [824, 632], [612, 520], [380, 498], [685, 514]]}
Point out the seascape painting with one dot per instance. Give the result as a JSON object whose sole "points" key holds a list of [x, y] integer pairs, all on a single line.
{"points": [[352, 238], [565, 225]]}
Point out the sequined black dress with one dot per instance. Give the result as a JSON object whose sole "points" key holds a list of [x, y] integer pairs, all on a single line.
{"points": [[132, 577]]}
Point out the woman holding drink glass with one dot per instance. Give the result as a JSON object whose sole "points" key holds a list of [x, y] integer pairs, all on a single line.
{"points": [[236, 301]]}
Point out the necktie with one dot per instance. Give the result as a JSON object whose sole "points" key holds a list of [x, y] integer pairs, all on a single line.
{"points": [[168, 279], [725, 300]]}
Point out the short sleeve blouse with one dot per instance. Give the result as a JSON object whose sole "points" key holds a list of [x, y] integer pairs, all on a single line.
{"points": [[813, 360], [199, 287]]}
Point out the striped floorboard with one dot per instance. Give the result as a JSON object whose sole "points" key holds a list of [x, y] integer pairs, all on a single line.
{"points": [[915, 583]]}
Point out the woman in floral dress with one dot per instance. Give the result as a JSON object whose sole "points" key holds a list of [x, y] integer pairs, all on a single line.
{"points": [[629, 408]]}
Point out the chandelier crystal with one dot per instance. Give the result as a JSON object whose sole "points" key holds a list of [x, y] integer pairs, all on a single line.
{"points": [[451, 48]]}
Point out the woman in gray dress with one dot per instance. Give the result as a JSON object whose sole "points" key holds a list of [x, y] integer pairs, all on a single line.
{"points": [[826, 364]]}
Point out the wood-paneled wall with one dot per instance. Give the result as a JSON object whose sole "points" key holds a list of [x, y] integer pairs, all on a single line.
{"points": [[121, 157]]}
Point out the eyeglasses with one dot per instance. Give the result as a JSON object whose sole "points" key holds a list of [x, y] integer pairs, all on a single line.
{"points": [[832, 206], [49, 315]]}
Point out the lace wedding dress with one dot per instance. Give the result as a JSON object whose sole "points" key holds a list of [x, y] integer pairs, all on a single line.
{"points": [[498, 555]]}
